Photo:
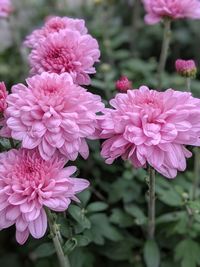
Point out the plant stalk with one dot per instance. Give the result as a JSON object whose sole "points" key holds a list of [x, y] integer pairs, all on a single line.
{"points": [[164, 51], [188, 83], [151, 204], [57, 240]]}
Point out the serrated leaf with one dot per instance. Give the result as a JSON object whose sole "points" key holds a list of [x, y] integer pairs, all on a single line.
{"points": [[187, 252], [151, 254]]}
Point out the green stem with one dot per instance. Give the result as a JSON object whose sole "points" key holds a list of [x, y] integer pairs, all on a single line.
{"points": [[57, 240], [164, 51], [196, 173], [188, 83], [151, 204]]}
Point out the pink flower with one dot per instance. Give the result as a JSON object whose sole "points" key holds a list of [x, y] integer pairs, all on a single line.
{"points": [[174, 9], [146, 126], [55, 24], [28, 184], [66, 51], [3, 95], [52, 113], [186, 68], [123, 84], [5, 8]]}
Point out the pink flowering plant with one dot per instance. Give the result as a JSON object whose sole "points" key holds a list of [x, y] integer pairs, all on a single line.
{"points": [[113, 98]]}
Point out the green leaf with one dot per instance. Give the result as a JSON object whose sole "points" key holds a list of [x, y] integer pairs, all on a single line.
{"points": [[82, 240], [187, 252], [97, 206], [137, 213], [151, 254], [44, 250], [82, 258], [79, 216], [167, 193], [101, 227], [121, 218], [171, 217]]}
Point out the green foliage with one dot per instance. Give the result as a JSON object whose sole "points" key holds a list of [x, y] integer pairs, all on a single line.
{"points": [[151, 254]]}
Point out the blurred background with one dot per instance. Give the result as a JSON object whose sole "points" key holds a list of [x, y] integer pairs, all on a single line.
{"points": [[108, 227]]}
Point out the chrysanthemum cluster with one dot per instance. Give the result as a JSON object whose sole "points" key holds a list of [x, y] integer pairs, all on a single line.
{"points": [[51, 116], [173, 9], [63, 45], [150, 127]]}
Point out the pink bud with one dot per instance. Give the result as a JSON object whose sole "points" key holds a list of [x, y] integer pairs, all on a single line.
{"points": [[123, 84], [3, 95], [186, 68]]}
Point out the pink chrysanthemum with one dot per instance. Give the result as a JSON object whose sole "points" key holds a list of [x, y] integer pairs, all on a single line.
{"points": [[3, 95], [66, 51], [186, 68], [174, 9], [5, 8], [146, 126], [28, 184], [52, 113], [55, 24]]}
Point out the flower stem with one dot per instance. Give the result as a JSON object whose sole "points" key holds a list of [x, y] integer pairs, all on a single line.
{"points": [[188, 83], [57, 240], [164, 51], [151, 204]]}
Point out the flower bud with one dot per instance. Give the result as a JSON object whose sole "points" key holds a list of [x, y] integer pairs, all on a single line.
{"points": [[186, 68], [123, 84]]}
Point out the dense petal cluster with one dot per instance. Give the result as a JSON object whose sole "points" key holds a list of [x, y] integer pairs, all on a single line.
{"points": [[52, 25], [28, 184], [52, 113], [66, 51], [3, 95], [146, 126], [174, 9], [186, 68], [5, 8]]}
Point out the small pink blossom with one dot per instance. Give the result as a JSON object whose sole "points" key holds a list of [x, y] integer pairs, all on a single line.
{"points": [[5, 8], [174, 9], [66, 51], [146, 126], [186, 68], [28, 184], [123, 84], [52, 113], [3, 95], [55, 24]]}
